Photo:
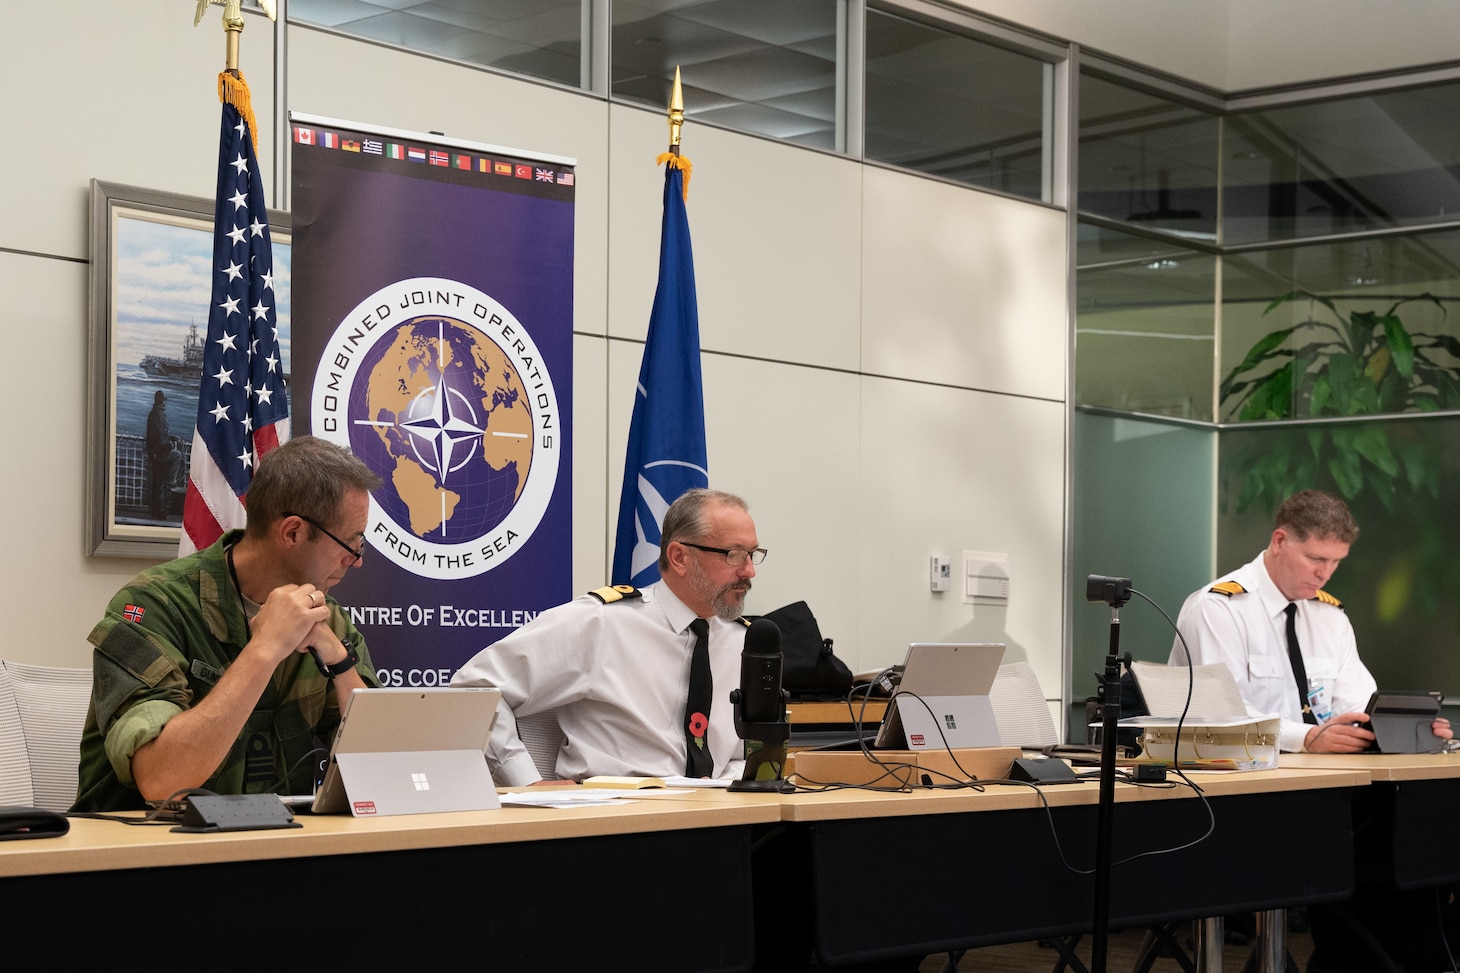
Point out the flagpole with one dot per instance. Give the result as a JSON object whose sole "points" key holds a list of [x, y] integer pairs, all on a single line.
{"points": [[232, 26]]}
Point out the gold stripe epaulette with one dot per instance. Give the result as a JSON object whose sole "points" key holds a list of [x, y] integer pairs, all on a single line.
{"points": [[1228, 588], [1327, 599], [616, 592]]}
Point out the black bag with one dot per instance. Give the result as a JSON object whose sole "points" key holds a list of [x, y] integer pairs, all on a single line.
{"points": [[810, 667], [31, 822]]}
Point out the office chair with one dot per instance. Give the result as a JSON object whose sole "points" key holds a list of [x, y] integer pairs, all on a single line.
{"points": [[48, 703], [543, 738], [1020, 709]]}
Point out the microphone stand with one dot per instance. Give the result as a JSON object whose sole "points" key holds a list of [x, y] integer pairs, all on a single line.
{"points": [[771, 756], [1114, 592]]}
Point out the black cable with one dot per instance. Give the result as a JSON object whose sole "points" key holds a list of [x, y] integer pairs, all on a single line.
{"points": [[166, 811], [970, 782]]}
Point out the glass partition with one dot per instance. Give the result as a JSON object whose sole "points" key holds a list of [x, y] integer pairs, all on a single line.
{"points": [[1146, 159], [1357, 327], [1142, 505], [950, 105], [1343, 165], [1145, 329], [761, 66], [538, 38]]}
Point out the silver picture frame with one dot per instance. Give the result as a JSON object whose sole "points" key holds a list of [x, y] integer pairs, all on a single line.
{"points": [[150, 286]]}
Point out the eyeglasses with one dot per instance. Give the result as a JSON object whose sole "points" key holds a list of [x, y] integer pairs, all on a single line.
{"points": [[357, 554], [734, 556]]}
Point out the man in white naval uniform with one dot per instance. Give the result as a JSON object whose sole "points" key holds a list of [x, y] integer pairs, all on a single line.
{"points": [[615, 664], [1251, 618]]}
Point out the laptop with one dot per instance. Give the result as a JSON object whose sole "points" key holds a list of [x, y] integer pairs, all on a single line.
{"points": [[943, 698], [411, 751]]}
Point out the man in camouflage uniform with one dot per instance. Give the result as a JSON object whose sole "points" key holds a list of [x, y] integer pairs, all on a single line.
{"points": [[228, 668]]}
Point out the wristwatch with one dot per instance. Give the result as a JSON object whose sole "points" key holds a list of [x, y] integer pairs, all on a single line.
{"points": [[344, 665]]}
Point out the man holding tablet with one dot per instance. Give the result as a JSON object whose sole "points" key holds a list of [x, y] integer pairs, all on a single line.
{"points": [[1288, 643]]}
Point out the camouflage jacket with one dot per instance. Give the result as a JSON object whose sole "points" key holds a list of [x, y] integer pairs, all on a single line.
{"points": [[166, 640]]}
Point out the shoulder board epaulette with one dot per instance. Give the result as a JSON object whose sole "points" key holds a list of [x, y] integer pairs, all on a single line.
{"points": [[1228, 588], [744, 621], [616, 592], [1327, 599]]}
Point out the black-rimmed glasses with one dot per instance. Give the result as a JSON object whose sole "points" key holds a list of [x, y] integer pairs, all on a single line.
{"points": [[356, 553], [733, 555]]}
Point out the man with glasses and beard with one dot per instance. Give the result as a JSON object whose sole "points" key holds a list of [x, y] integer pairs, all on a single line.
{"points": [[616, 665]]}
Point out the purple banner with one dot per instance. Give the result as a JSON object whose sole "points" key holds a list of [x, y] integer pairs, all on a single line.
{"points": [[433, 335]]}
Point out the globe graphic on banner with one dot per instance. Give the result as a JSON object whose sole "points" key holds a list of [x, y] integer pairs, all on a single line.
{"points": [[444, 418]]}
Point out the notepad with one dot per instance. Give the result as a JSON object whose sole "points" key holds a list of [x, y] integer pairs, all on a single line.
{"points": [[624, 783]]}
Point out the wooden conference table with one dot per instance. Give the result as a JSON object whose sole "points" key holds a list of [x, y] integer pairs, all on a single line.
{"points": [[672, 882], [510, 889], [1410, 798]]}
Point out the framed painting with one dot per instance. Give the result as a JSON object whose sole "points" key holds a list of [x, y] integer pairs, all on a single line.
{"points": [[151, 283]]}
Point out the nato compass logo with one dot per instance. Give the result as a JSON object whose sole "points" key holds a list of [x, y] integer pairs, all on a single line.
{"points": [[439, 389]]}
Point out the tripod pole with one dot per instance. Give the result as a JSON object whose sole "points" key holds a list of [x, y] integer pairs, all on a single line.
{"points": [[1104, 820]]}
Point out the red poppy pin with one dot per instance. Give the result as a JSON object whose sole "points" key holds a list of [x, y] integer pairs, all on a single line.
{"points": [[698, 724]]}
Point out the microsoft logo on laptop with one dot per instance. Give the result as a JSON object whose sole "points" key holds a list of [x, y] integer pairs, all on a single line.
{"points": [[420, 781]]}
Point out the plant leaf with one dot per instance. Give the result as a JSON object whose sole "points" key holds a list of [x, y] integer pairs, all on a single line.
{"points": [[1372, 444], [1401, 346]]}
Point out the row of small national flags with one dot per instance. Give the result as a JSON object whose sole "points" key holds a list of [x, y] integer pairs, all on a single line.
{"points": [[429, 156]]}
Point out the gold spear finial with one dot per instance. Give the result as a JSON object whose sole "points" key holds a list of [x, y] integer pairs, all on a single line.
{"points": [[232, 24], [676, 113]]}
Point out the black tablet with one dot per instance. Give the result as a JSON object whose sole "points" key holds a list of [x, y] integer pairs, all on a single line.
{"points": [[1401, 722]]}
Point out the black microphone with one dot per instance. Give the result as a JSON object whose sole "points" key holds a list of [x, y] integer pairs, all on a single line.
{"points": [[1115, 592], [760, 673]]}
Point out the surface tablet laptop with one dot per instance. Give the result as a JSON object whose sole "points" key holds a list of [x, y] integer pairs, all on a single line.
{"points": [[411, 751], [943, 698], [1401, 722]]}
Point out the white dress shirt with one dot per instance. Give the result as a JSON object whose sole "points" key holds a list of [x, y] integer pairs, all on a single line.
{"points": [[1248, 632], [617, 675]]}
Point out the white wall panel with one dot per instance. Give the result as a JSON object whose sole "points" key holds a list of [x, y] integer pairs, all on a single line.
{"points": [[948, 470], [776, 241], [591, 484], [60, 592], [962, 288], [128, 96], [785, 438]]}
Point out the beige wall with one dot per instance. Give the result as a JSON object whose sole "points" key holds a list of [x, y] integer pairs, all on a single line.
{"points": [[884, 354]]}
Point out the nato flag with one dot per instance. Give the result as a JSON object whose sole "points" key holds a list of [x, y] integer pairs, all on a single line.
{"points": [[666, 452]]}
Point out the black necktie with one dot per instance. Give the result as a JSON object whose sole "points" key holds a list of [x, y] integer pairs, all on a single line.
{"points": [[699, 762], [1295, 655]]}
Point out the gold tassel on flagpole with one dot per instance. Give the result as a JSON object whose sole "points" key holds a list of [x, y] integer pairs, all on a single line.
{"points": [[677, 162], [233, 90]]}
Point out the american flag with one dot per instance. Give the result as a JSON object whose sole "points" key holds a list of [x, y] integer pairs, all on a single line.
{"points": [[243, 410]]}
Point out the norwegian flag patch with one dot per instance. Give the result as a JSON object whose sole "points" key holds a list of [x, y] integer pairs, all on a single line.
{"points": [[133, 613]]}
